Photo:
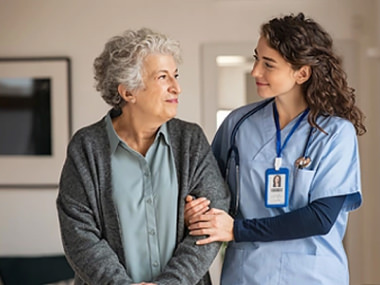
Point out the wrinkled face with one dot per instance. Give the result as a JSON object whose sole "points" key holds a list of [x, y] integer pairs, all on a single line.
{"points": [[158, 99], [274, 76]]}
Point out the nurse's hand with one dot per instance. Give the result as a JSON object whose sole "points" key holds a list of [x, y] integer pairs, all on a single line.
{"points": [[216, 224], [194, 207]]}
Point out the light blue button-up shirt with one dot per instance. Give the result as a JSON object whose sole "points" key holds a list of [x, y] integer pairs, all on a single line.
{"points": [[145, 192]]}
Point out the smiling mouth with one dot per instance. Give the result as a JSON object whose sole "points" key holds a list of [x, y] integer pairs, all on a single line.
{"points": [[174, 100], [261, 84]]}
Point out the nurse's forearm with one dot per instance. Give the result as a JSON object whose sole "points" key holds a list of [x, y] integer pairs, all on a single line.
{"points": [[314, 219]]}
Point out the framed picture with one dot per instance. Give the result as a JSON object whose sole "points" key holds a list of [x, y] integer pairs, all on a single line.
{"points": [[35, 120]]}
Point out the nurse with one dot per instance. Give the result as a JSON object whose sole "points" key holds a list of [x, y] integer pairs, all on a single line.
{"points": [[304, 131]]}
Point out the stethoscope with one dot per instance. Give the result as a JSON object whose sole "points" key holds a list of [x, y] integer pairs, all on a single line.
{"points": [[233, 151]]}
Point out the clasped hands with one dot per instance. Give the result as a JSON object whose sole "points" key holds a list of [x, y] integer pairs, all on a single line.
{"points": [[216, 224]]}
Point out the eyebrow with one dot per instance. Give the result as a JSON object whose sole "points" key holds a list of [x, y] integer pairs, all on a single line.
{"points": [[167, 71], [266, 58]]}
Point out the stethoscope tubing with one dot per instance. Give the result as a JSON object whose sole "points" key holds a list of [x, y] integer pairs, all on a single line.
{"points": [[234, 149]]}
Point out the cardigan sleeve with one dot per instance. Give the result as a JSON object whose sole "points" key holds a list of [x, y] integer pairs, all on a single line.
{"points": [[198, 175], [88, 252]]}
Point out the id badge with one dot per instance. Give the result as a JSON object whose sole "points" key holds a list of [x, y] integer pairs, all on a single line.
{"points": [[276, 188]]}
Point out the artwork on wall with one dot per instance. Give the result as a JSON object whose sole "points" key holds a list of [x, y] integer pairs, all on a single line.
{"points": [[35, 120]]}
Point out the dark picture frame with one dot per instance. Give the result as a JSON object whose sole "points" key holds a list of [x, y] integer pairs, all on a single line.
{"points": [[35, 120]]}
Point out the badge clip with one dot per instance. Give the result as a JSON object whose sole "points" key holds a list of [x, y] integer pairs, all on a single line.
{"points": [[277, 163]]}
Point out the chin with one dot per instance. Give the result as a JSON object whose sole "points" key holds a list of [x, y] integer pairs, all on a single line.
{"points": [[264, 95], [171, 116]]}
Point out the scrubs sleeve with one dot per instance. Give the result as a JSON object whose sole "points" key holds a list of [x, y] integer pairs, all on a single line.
{"points": [[221, 144], [316, 218], [338, 172]]}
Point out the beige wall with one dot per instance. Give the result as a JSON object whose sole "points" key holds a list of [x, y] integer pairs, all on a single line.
{"points": [[78, 29], [364, 227]]}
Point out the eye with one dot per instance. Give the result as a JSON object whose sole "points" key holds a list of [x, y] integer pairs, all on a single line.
{"points": [[176, 76], [268, 65], [163, 76], [255, 57]]}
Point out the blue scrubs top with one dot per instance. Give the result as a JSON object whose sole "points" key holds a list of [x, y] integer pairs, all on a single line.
{"points": [[334, 170]]}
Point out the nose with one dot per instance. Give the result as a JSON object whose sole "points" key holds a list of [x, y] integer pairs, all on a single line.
{"points": [[255, 72], [174, 87]]}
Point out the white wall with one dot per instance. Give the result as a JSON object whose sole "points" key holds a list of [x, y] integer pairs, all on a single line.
{"points": [[78, 29]]}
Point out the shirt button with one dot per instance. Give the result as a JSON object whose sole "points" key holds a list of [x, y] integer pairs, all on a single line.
{"points": [[152, 232], [149, 201], [155, 264]]}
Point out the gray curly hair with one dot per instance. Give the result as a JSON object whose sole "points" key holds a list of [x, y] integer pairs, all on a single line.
{"points": [[121, 61]]}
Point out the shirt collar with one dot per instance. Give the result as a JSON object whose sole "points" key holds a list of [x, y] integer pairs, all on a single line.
{"points": [[112, 135], [163, 132], [115, 140]]}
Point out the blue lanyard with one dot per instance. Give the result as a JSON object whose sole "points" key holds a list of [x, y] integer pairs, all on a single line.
{"points": [[279, 148]]}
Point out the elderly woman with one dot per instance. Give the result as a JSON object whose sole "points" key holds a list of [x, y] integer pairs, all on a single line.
{"points": [[124, 182]]}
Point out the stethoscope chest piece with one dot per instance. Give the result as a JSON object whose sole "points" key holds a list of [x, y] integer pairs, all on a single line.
{"points": [[302, 162]]}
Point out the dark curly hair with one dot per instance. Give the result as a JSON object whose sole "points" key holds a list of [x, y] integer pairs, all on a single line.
{"points": [[302, 41]]}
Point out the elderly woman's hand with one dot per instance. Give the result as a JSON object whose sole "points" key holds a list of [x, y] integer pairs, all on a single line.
{"points": [[194, 207]]}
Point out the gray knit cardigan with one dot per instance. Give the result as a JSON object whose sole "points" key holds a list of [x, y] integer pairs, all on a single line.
{"points": [[89, 222]]}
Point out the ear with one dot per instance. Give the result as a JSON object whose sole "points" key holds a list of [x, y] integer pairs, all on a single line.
{"points": [[125, 94], [303, 74]]}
